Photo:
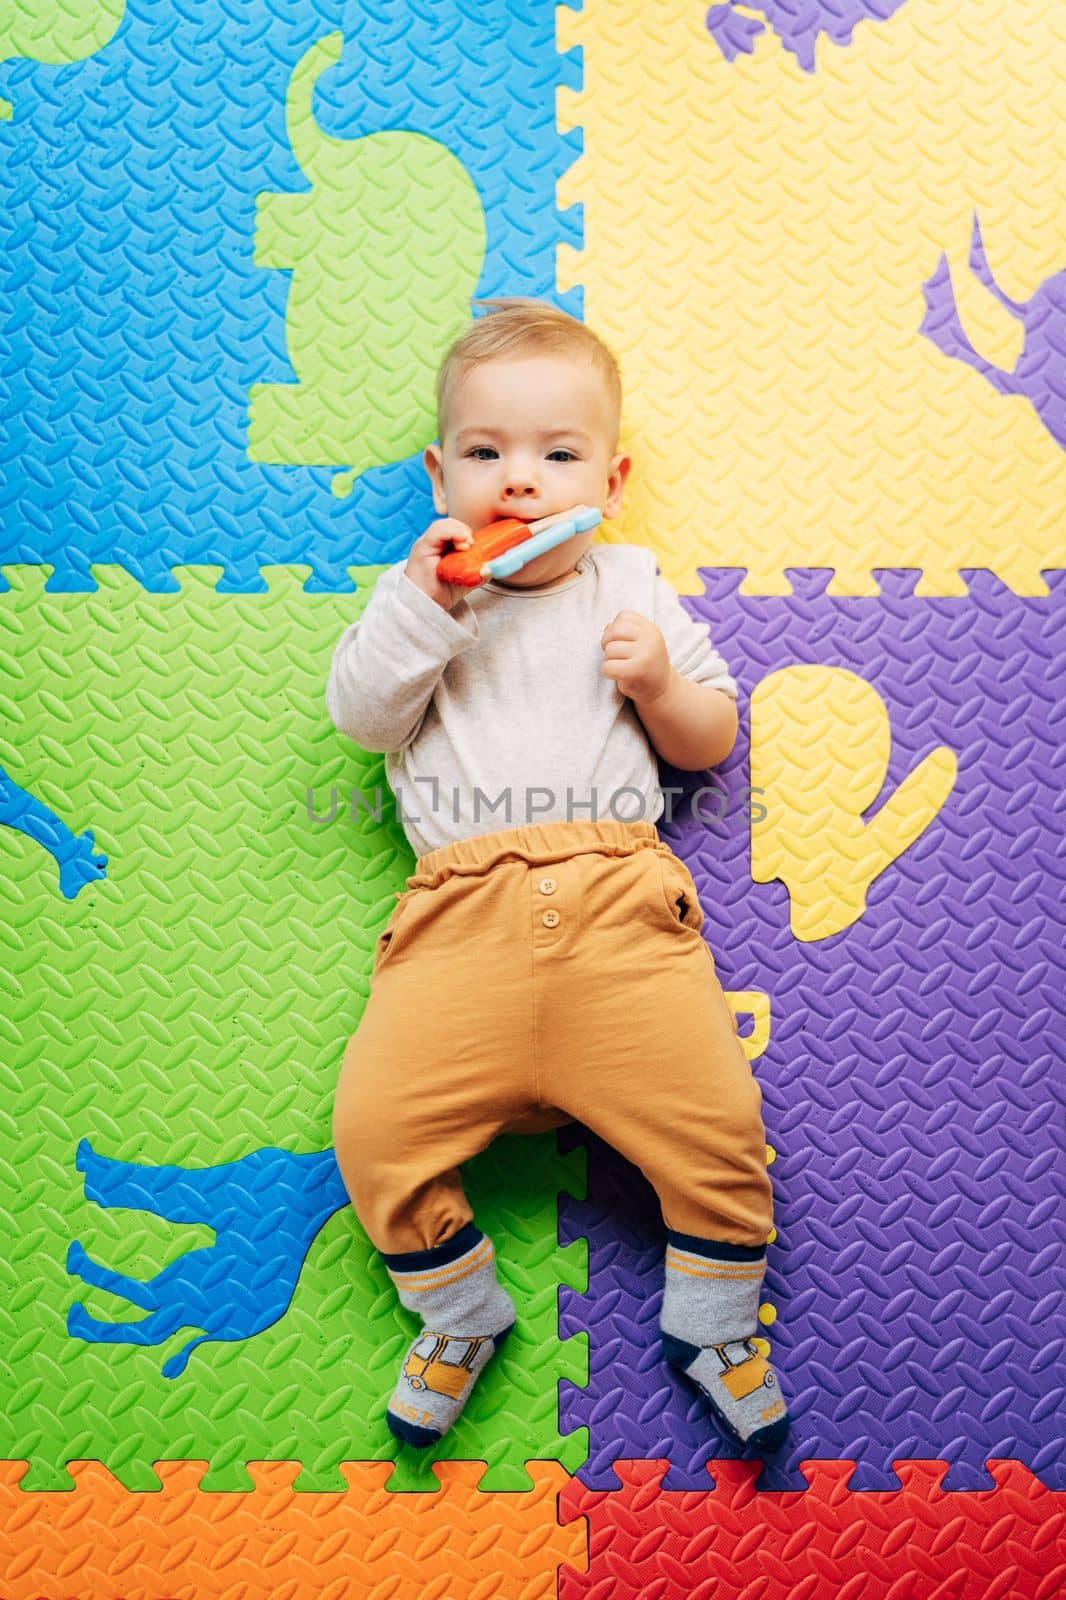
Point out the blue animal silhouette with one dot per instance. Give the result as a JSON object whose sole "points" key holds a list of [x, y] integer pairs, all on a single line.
{"points": [[1040, 371], [265, 1209], [76, 857]]}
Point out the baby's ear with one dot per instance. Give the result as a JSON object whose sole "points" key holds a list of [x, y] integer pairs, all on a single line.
{"points": [[433, 461], [617, 473]]}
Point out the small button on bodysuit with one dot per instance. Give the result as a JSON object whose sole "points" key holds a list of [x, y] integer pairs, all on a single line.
{"points": [[547, 886], [550, 919]]}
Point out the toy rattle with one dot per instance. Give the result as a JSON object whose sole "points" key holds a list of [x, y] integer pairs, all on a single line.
{"points": [[501, 548]]}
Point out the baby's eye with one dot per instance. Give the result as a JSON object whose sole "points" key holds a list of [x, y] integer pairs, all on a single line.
{"points": [[480, 451], [568, 454]]}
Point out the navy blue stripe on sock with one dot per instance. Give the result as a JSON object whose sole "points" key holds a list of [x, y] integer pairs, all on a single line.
{"points": [[440, 1255], [715, 1250]]}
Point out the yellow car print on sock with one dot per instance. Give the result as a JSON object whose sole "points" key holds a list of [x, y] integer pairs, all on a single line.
{"points": [[742, 1378], [441, 1362]]}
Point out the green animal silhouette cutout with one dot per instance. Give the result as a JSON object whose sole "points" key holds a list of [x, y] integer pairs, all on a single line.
{"points": [[385, 250], [55, 32]]}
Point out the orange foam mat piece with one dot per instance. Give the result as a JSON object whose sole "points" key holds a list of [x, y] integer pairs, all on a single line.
{"points": [[828, 1542], [101, 1541]]}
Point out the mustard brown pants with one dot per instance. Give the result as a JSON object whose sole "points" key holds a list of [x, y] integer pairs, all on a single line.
{"points": [[535, 976]]}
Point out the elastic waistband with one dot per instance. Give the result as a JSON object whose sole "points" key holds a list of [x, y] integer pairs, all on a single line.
{"points": [[536, 843]]}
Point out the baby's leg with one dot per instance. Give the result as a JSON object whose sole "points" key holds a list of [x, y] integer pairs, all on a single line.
{"points": [[426, 1082], [645, 1052], [691, 1120]]}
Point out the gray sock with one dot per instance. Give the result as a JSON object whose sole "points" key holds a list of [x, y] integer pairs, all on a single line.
{"points": [[466, 1316], [709, 1318]]}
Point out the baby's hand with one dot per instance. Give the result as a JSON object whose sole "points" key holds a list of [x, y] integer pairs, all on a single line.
{"points": [[637, 658], [421, 566]]}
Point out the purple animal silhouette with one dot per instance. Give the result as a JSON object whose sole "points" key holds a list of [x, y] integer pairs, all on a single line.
{"points": [[265, 1209], [1040, 372], [76, 857], [797, 23]]}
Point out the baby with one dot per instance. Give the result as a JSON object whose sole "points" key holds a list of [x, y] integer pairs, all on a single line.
{"points": [[543, 967]]}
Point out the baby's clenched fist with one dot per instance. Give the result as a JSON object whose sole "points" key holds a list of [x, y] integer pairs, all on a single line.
{"points": [[636, 656], [440, 537]]}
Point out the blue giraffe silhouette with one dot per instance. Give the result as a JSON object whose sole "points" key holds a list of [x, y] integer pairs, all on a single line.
{"points": [[75, 856], [265, 1209]]}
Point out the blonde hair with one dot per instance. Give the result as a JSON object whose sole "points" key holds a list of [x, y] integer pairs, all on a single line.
{"points": [[518, 325]]}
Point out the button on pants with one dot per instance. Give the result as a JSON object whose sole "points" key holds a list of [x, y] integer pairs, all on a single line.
{"points": [[535, 976]]}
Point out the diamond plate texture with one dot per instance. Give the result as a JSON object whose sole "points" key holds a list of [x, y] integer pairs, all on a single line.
{"points": [[56, 32], [176, 276], [732, 1543], [190, 1010], [188, 1544], [828, 245], [912, 1083], [760, 234]]}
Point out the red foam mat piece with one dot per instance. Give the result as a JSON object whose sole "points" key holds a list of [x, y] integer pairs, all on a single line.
{"points": [[733, 1542]]}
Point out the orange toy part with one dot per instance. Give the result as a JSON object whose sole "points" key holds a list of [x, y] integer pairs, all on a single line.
{"points": [[464, 566]]}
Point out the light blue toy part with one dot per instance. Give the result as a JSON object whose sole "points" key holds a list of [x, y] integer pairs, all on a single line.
{"points": [[580, 520]]}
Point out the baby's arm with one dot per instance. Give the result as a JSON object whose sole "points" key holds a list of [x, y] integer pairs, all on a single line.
{"points": [[692, 723], [387, 664]]}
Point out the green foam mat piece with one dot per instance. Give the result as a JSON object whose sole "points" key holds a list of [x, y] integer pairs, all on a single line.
{"points": [[191, 1007]]}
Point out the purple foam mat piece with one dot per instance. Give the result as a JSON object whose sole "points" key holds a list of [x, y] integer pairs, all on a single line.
{"points": [[913, 1085]]}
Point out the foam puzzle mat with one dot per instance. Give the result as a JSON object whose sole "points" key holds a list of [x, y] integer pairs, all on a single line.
{"points": [[828, 245]]}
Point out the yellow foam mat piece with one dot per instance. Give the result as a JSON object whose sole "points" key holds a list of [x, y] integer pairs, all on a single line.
{"points": [[757, 238]]}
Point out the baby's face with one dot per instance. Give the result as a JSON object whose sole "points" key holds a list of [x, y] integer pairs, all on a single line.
{"points": [[527, 438]]}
